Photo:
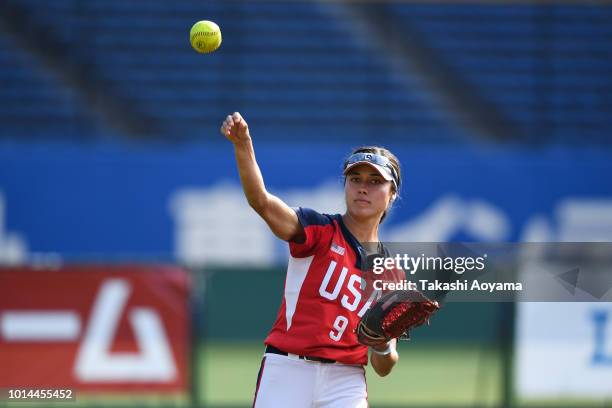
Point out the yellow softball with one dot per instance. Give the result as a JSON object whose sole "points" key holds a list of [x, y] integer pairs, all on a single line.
{"points": [[205, 36]]}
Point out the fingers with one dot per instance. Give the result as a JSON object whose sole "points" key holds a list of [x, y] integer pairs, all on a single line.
{"points": [[227, 125], [229, 122], [239, 121], [235, 121]]}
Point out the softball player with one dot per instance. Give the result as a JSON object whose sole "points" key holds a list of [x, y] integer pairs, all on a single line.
{"points": [[312, 356]]}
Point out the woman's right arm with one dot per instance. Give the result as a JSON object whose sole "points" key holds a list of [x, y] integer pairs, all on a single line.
{"points": [[281, 219]]}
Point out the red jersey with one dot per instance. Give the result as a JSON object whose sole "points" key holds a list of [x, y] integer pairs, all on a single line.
{"points": [[324, 294]]}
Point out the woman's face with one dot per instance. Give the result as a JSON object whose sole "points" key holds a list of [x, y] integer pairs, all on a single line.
{"points": [[367, 193]]}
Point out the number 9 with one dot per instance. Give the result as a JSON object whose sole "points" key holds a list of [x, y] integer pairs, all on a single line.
{"points": [[340, 325]]}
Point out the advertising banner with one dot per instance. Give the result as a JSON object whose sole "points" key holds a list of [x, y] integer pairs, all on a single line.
{"points": [[564, 350], [95, 328]]}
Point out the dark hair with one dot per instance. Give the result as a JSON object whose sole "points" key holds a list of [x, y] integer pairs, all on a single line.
{"points": [[394, 162]]}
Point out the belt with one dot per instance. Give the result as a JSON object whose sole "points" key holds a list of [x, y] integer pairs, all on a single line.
{"points": [[274, 350]]}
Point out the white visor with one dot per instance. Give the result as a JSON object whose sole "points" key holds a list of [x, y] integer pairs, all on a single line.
{"points": [[381, 163]]}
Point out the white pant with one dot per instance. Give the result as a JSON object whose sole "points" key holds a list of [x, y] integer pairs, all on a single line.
{"points": [[287, 381]]}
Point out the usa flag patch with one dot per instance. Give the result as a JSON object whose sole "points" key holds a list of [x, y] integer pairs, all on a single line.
{"points": [[337, 248]]}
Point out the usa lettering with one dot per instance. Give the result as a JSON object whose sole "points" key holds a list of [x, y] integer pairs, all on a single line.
{"points": [[350, 303]]}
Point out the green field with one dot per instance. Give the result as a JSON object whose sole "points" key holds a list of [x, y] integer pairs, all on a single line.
{"points": [[425, 375], [432, 374]]}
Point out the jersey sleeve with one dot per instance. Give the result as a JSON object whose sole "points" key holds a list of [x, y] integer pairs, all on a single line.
{"points": [[318, 229]]}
